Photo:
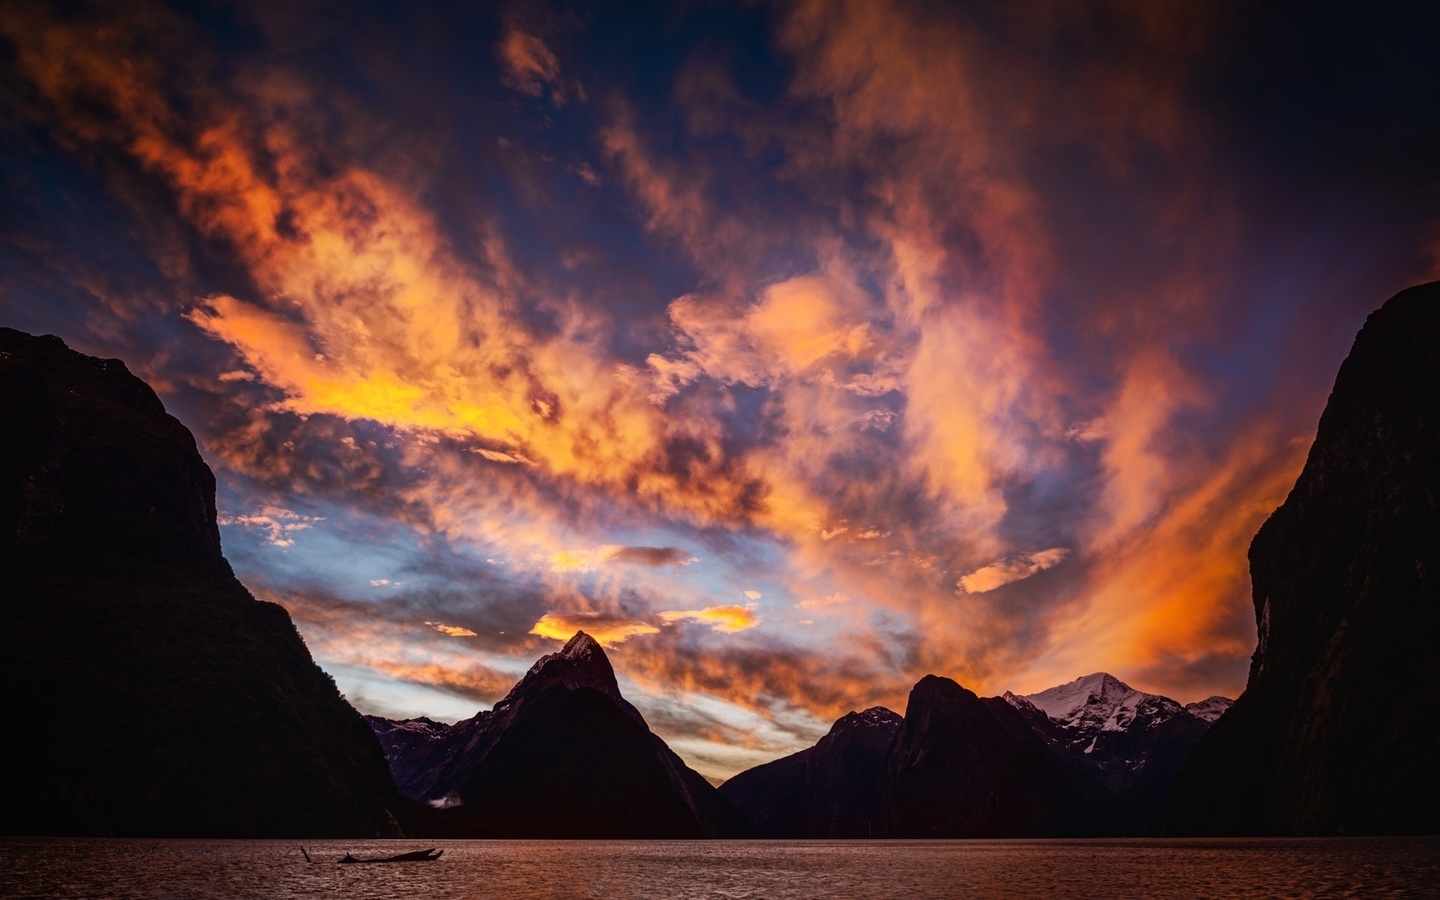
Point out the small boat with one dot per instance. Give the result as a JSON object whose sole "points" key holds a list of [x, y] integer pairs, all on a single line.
{"points": [[416, 856], [429, 855]]}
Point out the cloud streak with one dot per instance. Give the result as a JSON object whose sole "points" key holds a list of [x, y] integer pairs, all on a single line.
{"points": [[1011, 569]]}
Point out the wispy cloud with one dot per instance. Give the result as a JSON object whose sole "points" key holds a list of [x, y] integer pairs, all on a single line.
{"points": [[452, 630], [1012, 568], [276, 524]]}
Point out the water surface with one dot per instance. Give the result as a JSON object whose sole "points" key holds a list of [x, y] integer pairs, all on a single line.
{"points": [[1252, 867]]}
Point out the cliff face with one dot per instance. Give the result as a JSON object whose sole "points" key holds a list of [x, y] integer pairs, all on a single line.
{"points": [[151, 694], [563, 755], [1338, 730], [93, 472]]}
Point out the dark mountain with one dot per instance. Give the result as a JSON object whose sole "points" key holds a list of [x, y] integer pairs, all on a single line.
{"points": [[562, 756], [830, 790], [149, 693], [418, 750], [1092, 757], [1338, 730], [1132, 742], [966, 767]]}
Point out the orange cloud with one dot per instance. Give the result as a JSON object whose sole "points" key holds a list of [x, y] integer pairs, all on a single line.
{"points": [[728, 619], [529, 64], [452, 630], [1176, 594], [1011, 569], [608, 630]]}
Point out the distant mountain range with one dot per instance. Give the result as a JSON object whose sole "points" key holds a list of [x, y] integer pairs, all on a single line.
{"points": [[1092, 757]]}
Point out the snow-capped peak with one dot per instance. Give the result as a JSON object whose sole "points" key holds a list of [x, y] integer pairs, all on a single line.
{"points": [[1209, 709], [1018, 702], [1101, 702], [580, 646]]}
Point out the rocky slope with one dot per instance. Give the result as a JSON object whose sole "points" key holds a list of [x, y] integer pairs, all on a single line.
{"points": [[563, 755], [1338, 730], [152, 694], [830, 790]]}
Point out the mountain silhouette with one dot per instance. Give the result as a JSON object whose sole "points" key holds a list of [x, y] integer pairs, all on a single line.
{"points": [[150, 694], [1338, 729]]}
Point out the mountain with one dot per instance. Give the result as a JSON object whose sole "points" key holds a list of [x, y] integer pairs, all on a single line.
{"points": [[1133, 742], [149, 693], [965, 767], [830, 790], [1092, 757], [563, 755], [1209, 709], [1338, 730]]}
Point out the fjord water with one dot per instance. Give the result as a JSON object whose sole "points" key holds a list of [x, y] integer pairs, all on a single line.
{"points": [[1252, 867]]}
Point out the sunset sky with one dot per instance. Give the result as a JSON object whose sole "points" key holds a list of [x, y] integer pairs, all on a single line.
{"points": [[792, 350]]}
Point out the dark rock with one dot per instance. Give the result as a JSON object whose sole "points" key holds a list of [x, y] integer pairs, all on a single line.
{"points": [[564, 755], [830, 790], [150, 694], [963, 767], [1338, 730]]}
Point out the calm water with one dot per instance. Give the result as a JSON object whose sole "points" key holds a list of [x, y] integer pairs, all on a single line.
{"points": [[65, 867]]}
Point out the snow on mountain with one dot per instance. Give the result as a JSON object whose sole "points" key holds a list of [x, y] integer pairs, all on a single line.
{"points": [[1101, 703], [1209, 709]]}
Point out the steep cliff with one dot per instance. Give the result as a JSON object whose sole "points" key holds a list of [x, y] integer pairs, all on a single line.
{"points": [[150, 694], [1338, 730]]}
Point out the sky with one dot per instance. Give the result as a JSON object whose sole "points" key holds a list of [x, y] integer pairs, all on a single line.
{"points": [[792, 350]]}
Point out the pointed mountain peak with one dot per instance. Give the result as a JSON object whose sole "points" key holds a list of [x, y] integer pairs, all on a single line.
{"points": [[581, 663], [581, 646], [1020, 703], [1100, 701]]}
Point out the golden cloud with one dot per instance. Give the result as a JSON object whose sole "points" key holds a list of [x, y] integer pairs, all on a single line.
{"points": [[452, 630], [1011, 569], [607, 630], [728, 619]]}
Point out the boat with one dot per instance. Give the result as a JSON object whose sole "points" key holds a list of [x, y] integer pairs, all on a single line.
{"points": [[429, 855], [415, 856]]}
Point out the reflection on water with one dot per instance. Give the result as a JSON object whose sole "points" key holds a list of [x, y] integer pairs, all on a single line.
{"points": [[74, 867]]}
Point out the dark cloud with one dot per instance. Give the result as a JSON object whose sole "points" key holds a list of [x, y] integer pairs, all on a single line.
{"points": [[653, 556]]}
